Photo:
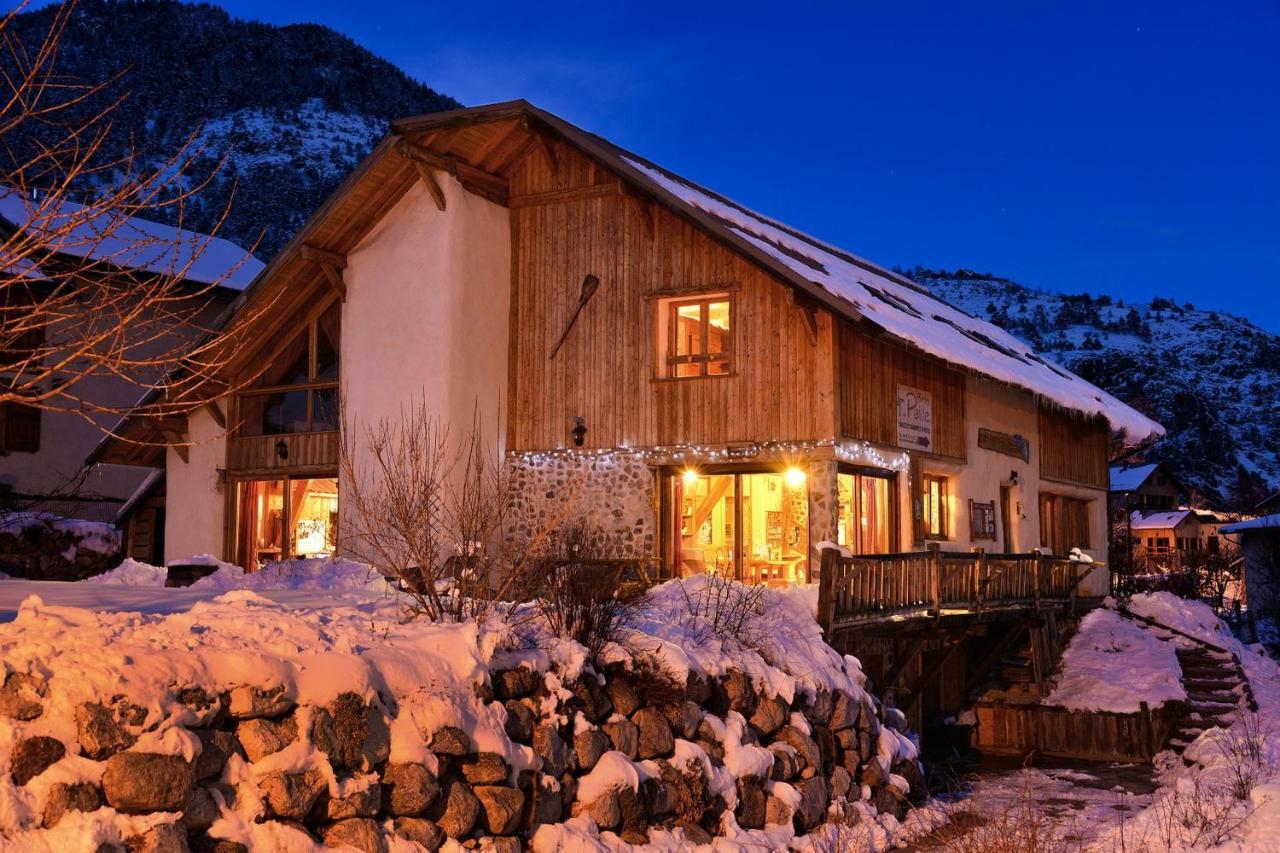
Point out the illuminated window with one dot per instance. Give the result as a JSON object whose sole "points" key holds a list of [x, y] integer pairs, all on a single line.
{"points": [[866, 522], [750, 526], [936, 509], [282, 519], [695, 336]]}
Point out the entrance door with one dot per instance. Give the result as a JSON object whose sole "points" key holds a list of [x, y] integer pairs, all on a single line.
{"points": [[753, 526], [1006, 517]]}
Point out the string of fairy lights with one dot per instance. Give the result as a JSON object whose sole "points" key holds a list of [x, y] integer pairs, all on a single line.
{"points": [[861, 453]]}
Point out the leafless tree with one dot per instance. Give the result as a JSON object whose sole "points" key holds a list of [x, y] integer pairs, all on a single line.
{"points": [[85, 291], [431, 511]]}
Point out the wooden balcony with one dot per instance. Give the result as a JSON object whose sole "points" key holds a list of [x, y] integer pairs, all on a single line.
{"points": [[857, 591], [304, 452]]}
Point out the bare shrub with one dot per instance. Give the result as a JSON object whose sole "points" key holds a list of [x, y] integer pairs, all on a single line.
{"points": [[660, 687], [1244, 747], [580, 593], [1195, 813], [727, 610], [431, 513]]}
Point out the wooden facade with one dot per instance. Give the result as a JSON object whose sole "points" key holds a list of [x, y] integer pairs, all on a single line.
{"points": [[870, 371], [1073, 449], [563, 228]]}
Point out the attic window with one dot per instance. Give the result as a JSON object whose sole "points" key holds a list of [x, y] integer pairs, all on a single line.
{"points": [[695, 336]]}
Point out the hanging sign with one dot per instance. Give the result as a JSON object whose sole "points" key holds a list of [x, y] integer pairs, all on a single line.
{"points": [[1002, 442], [915, 418]]}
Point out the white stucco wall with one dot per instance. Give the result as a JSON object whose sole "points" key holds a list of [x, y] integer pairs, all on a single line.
{"points": [[427, 315], [195, 501], [992, 405]]}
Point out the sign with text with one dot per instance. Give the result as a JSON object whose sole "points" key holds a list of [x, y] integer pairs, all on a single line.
{"points": [[915, 418], [1002, 442]]}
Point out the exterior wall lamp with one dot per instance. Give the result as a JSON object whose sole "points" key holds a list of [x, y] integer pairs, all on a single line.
{"points": [[579, 431], [282, 450]]}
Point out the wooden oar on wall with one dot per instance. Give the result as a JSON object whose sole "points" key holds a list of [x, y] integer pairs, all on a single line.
{"points": [[589, 286]]}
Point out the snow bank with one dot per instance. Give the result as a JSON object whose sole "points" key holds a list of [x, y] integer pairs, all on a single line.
{"points": [[331, 574], [1189, 617], [1113, 664]]}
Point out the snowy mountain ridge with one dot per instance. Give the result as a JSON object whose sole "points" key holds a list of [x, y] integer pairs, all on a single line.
{"points": [[1211, 378]]}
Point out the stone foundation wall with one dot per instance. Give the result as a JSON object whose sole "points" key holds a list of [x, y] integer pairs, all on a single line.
{"points": [[788, 764], [42, 553], [614, 498]]}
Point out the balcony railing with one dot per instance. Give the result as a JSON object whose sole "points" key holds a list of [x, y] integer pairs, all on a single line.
{"points": [[301, 451]]}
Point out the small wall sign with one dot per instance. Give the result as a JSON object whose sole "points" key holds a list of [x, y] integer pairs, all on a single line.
{"points": [[1002, 442], [982, 520], [915, 418]]}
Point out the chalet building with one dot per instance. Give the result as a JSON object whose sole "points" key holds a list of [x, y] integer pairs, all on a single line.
{"points": [[1180, 531], [714, 390], [1144, 486], [42, 453]]}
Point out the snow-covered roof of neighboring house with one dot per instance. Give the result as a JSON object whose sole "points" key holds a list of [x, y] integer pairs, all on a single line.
{"points": [[1159, 520], [1266, 521], [132, 242], [1128, 478], [838, 279]]}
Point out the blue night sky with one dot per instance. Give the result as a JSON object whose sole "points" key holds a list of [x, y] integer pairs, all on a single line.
{"points": [[1127, 148]]}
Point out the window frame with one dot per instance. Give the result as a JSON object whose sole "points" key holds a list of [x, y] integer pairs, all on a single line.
{"points": [[1057, 508], [667, 314], [311, 387], [895, 520], [944, 507], [11, 412], [287, 511]]}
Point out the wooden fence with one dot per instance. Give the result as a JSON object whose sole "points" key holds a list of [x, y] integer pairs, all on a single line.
{"points": [[863, 588], [1007, 728]]}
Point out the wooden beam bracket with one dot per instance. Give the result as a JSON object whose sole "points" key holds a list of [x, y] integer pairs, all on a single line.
{"points": [[484, 184], [331, 264], [215, 412]]}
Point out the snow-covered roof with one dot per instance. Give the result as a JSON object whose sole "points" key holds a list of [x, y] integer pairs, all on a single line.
{"points": [[1128, 478], [132, 243], [1266, 521], [866, 291], [1159, 520]]}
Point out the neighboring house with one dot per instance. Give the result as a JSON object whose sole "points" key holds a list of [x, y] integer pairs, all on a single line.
{"points": [[1182, 531], [730, 396], [1145, 486], [42, 453], [1259, 540]]}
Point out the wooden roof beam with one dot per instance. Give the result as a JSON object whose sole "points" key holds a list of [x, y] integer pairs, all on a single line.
{"points": [[484, 184], [331, 264], [544, 141], [172, 438]]}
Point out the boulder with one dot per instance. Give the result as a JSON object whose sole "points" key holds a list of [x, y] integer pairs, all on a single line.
{"points": [[771, 714], [500, 807], [873, 774], [216, 747], [200, 811], [34, 755], [359, 804], [815, 794], [20, 696], [684, 717], [822, 708], [450, 740], [351, 733], [786, 762], [545, 804], [520, 721], [889, 801], [777, 812], [588, 696], [841, 783], [826, 743], [845, 712], [697, 688], [248, 702], [589, 746], [261, 737], [741, 695], [486, 768], [419, 831], [291, 796], [695, 834], [456, 810], [551, 748], [141, 782], [408, 789], [804, 746], [624, 736], [515, 683], [603, 810], [751, 809], [73, 797], [100, 731], [655, 734], [626, 701], [633, 813], [164, 838], [362, 833]]}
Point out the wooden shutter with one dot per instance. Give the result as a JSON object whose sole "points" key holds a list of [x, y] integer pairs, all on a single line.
{"points": [[21, 432]]}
